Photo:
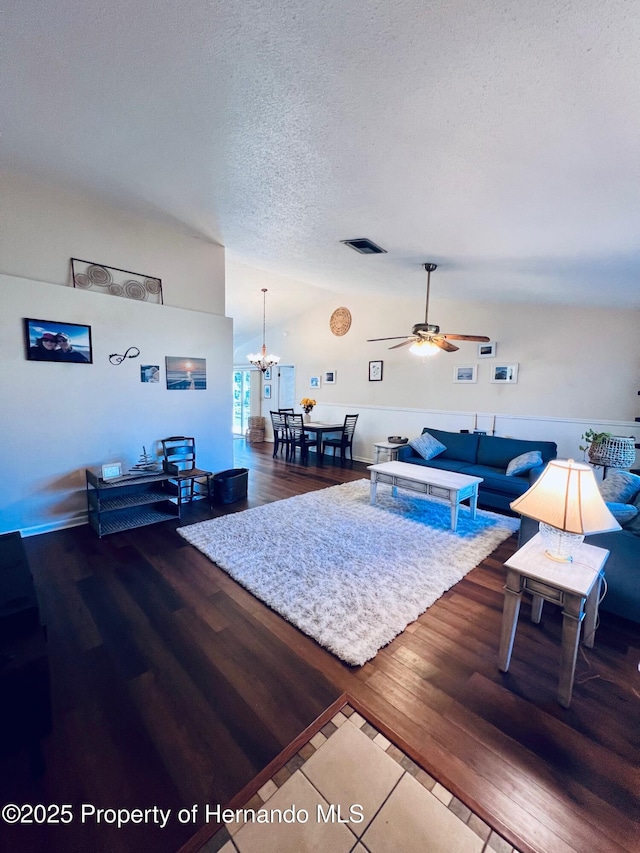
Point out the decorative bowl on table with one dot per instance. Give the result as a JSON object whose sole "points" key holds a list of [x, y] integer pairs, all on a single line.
{"points": [[397, 439]]}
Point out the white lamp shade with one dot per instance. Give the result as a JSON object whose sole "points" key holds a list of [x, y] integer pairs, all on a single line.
{"points": [[566, 496]]}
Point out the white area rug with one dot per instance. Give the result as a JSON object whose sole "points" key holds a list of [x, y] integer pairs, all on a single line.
{"points": [[350, 575]]}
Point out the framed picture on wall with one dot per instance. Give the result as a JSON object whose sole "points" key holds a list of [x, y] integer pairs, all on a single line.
{"points": [[113, 281], [375, 371], [186, 374], [267, 392], [329, 377], [267, 374], [504, 374], [149, 373], [55, 340], [487, 350], [465, 374], [314, 382]]}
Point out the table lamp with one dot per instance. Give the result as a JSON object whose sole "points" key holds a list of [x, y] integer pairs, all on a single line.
{"points": [[566, 501]]}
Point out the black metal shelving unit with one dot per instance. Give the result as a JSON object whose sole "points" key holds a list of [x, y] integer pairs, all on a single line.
{"points": [[133, 502]]}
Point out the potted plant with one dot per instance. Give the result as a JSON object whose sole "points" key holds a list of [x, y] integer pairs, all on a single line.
{"points": [[592, 440], [611, 451]]}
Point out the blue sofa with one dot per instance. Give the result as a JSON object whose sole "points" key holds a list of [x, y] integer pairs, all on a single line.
{"points": [[622, 569], [485, 456]]}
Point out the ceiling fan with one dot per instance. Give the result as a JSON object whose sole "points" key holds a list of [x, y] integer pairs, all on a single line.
{"points": [[427, 339]]}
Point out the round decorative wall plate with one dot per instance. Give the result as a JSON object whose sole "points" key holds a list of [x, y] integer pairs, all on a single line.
{"points": [[340, 321]]}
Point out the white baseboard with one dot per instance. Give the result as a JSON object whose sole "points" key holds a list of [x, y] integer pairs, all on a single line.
{"points": [[59, 524]]}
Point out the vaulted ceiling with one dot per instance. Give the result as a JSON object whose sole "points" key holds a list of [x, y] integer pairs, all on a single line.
{"points": [[499, 139]]}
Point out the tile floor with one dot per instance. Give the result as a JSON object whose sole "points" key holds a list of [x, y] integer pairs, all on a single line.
{"points": [[353, 790]]}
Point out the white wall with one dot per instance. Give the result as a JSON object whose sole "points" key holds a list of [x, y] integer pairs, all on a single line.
{"points": [[578, 367], [61, 418], [42, 228]]}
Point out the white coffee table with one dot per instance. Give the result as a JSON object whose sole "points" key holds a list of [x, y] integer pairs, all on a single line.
{"points": [[429, 481]]}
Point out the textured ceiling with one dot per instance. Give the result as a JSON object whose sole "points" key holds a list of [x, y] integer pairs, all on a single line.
{"points": [[499, 139]]}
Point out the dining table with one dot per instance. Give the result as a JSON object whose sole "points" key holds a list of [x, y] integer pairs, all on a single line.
{"points": [[320, 429]]}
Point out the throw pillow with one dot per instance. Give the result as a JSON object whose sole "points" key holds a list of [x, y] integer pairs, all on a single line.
{"points": [[623, 513], [427, 446], [634, 524], [620, 487], [524, 462]]}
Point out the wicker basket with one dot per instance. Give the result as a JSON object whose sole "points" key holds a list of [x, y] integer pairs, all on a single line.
{"points": [[618, 451], [256, 421], [255, 435]]}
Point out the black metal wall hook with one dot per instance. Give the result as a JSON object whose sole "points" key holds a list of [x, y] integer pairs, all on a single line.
{"points": [[114, 358]]}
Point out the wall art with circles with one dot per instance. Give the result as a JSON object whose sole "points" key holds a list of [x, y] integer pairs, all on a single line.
{"points": [[115, 282]]}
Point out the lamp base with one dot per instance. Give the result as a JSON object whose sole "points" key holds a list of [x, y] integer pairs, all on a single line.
{"points": [[559, 545]]}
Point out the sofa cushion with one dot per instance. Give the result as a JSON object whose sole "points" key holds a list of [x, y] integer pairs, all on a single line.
{"points": [[633, 525], [427, 446], [524, 462], [622, 513], [463, 446], [498, 452], [620, 487], [495, 480], [440, 463]]}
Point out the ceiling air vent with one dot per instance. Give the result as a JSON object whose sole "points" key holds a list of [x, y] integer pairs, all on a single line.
{"points": [[364, 246]]}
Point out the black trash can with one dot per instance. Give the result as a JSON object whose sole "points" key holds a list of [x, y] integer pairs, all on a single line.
{"points": [[230, 486]]}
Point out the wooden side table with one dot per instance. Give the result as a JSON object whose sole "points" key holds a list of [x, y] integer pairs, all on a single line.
{"points": [[387, 447], [575, 586]]}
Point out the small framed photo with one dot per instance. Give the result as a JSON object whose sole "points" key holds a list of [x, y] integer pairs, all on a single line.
{"points": [[267, 392], [504, 373], [149, 373], [487, 350], [52, 340], [267, 375], [375, 371], [314, 382], [465, 374], [111, 470], [329, 377]]}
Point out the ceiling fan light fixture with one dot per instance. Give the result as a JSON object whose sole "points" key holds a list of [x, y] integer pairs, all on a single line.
{"points": [[425, 349], [426, 339]]}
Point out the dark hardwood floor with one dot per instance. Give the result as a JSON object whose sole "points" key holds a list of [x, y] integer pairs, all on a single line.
{"points": [[172, 685]]}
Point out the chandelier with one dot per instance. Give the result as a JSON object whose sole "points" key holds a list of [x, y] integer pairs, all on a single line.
{"points": [[261, 360]]}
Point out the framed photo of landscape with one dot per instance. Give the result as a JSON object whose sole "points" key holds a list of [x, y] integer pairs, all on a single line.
{"points": [[465, 374], [504, 374], [186, 374], [487, 349]]}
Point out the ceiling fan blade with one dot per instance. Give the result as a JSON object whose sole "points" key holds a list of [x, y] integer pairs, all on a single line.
{"points": [[397, 338], [445, 345], [405, 343], [480, 338]]}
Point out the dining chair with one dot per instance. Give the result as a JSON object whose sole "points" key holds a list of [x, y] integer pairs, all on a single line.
{"points": [[280, 433], [299, 438], [179, 462], [344, 441]]}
